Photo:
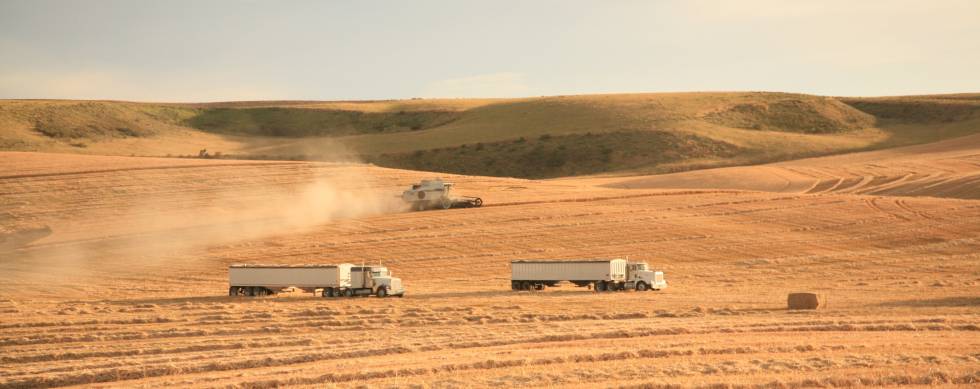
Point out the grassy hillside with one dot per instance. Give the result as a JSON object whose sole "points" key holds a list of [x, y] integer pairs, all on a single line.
{"points": [[301, 122], [795, 115], [564, 155], [920, 109], [562, 135]]}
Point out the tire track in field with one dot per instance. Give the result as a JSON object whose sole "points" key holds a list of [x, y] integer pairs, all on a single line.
{"points": [[143, 168], [619, 197]]}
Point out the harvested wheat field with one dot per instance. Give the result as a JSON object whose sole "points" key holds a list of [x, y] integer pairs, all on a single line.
{"points": [[114, 273], [949, 168]]}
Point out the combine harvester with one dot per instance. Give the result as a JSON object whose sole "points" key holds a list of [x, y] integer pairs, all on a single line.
{"points": [[434, 194], [601, 274], [345, 280]]}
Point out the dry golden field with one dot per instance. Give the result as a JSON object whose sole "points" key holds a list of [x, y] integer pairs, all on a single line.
{"points": [[113, 272]]}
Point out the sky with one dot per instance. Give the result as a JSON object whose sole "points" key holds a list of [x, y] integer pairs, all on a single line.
{"points": [[184, 51]]}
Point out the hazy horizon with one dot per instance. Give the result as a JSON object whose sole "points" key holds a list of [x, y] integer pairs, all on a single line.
{"points": [[186, 51]]}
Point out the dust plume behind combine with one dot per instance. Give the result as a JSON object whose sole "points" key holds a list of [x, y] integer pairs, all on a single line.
{"points": [[229, 214], [141, 223]]}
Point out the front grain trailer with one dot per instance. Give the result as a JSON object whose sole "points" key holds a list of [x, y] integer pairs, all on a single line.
{"points": [[330, 280], [602, 274]]}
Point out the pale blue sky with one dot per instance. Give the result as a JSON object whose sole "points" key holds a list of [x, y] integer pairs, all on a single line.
{"points": [[257, 50]]}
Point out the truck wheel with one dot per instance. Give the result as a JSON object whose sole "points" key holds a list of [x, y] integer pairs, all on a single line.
{"points": [[349, 293], [478, 202], [325, 293], [382, 292], [419, 205], [600, 286], [525, 285], [446, 203], [642, 287]]}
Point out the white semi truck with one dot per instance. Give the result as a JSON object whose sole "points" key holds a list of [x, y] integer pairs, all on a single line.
{"points": [[345, 280], [601, 274]]}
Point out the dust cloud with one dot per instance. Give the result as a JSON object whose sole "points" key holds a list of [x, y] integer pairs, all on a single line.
{"points": [[176, 218], [225, 215]]}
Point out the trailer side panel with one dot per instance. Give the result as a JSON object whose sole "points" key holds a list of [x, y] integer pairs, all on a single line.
{"points": [[286, 276], [592, 270]]}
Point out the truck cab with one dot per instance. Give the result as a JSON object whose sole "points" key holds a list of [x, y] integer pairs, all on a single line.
{"points": [[641, 278], [375, 280]]}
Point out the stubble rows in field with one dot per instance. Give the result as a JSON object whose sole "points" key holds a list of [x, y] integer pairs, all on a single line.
{"points": [[127, 286]]}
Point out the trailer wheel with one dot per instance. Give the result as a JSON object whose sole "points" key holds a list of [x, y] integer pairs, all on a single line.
{"points": [[642, 287], [600, 286], [233, 291], [382, 292], [349, 293], [515, 285], [249, 291], [525, 285]]}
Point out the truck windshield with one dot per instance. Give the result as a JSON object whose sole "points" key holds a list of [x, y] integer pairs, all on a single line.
{"points": [[641, 267], [375, 274]]}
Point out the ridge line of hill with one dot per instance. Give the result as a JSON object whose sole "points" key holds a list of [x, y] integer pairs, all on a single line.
{"points": [[538, 137]]}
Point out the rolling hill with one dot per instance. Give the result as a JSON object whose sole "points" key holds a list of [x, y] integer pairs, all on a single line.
{"points": [[529, 137]]}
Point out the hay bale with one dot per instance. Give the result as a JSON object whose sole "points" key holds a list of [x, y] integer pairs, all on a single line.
{"points": [[803, 301]]}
